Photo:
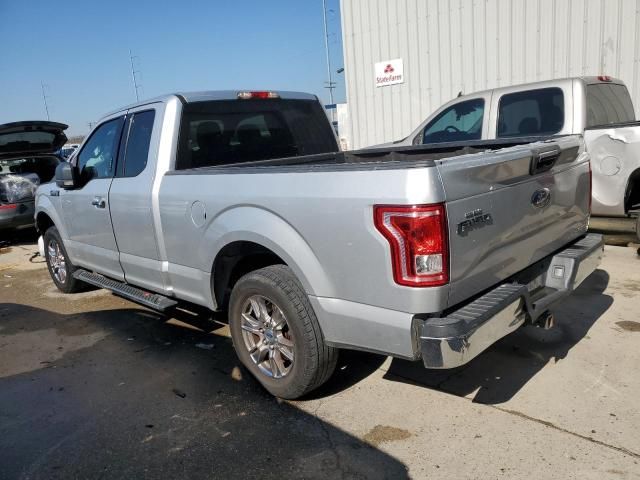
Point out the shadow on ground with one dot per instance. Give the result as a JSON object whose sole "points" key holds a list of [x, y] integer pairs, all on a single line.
{"points": [[150, 399], [500, 372], [9, 238]]}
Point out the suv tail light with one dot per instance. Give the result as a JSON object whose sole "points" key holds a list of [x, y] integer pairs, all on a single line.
{"points": [[419, 244], [605, 78]]}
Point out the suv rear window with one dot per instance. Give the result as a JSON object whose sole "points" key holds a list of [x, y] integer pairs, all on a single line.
{"points": [[226, 132], [608, 103], [534, 112]]}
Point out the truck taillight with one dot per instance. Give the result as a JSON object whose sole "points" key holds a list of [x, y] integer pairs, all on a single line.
{"points": [[254, 94], [419, 244], [604, 78]]}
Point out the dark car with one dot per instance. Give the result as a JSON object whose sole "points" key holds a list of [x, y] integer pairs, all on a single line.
{"points": [[27, 159]]}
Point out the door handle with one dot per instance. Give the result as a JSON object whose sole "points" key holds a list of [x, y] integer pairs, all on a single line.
{"points": [[99, 202]]}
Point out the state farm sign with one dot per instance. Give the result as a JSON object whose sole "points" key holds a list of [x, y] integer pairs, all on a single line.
{"points": [[389, 72]]}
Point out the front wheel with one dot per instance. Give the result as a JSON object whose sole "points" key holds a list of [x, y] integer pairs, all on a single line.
{"points": [[60, 267], [276, 333]]}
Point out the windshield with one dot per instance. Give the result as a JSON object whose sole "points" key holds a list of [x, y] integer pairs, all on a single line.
{"points": [[460, 122]]}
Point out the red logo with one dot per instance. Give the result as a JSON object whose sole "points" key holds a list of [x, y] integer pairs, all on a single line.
{"points": [[388, 69]]}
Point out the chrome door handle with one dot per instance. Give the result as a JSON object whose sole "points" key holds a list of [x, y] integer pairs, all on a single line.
{"points": [[99, 202]]}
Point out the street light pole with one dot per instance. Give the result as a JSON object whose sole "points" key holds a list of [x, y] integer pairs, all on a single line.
{"points": [[330, 83], [133, 75]]}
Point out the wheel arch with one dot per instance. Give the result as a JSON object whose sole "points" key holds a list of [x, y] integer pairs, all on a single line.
{"points": [[632, 192], [258, 238]]}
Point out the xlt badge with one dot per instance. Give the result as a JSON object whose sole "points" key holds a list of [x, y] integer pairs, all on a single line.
{"points": [[474, 219]]}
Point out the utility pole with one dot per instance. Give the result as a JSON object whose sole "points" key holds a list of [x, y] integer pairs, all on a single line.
{"points": [[44, 99], [330, 84], [133, 76], [91, 124]]}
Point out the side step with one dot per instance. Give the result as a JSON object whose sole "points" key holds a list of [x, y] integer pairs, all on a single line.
{"points": [[150, 300]]}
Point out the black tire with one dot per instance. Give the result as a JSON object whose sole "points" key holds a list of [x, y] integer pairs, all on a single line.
{"points": [[70, 284], [314, 361]]}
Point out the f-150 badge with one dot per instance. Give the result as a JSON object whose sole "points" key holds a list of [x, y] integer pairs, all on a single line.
{"points": [[474, 219]]}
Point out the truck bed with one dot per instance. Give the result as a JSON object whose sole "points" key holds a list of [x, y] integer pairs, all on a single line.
{"points": [[415, 156]]}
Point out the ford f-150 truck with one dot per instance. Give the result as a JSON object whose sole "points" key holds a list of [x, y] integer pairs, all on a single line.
{"points": [[242, 201], [599, 108]]}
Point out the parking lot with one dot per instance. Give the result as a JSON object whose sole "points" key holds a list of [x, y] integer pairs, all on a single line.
{"points": [[93, 385]]}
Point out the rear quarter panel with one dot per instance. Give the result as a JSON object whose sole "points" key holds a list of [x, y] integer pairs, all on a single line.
{"points": [[319, 222]]}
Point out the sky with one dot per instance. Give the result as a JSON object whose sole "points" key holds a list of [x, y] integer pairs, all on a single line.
{"points": [[80, 52]]}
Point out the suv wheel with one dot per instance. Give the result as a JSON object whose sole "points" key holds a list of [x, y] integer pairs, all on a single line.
{"points": [[276, 333]]}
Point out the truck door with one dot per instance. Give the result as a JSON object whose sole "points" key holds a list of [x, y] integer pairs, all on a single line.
{"points": [[131, 198], [86, 209]]}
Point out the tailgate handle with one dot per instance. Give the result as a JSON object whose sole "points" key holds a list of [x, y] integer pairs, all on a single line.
{"points": [[543, 160]]}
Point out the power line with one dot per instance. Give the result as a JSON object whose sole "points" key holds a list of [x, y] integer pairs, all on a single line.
{"points": [[44, 99], [136, 87]]}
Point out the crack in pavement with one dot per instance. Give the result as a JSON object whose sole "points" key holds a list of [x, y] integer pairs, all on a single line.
{"points": [[564, 430], [440, 387], [327, 435]]}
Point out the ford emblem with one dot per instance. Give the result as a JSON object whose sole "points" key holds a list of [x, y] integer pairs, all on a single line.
{"points": [[541, 198]]}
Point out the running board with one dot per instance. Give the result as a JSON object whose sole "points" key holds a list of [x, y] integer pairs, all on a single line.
{"points": [[148, 299]]}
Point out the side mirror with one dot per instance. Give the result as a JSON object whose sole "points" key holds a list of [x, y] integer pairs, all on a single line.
{"points": [[66, 176]]}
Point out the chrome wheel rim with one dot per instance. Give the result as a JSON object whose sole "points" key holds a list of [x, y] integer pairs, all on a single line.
{"points": [[57, 261], [266, 336]]}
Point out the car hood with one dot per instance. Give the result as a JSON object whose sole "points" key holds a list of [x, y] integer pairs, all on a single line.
{"points": [[31, 138]]}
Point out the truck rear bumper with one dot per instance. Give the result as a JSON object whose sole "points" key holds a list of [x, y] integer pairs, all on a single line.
{"points": [[458, 337]]}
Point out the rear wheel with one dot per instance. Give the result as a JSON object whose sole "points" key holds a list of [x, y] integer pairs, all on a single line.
{"points": [[60, 267], [276, 334]]}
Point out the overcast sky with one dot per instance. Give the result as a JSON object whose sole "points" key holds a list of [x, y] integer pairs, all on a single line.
{"points": [[80, 50]]}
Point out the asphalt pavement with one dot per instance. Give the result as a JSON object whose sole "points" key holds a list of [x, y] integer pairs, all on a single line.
{"points": [[93, 386]]}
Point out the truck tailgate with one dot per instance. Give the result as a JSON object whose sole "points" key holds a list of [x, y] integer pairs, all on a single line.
{"points": [[511, 208]]}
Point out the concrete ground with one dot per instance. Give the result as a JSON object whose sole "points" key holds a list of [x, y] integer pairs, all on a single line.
{"points": [[92, 386]]}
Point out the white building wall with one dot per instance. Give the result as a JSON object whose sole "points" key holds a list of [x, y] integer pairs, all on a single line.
{"points": [[448, 46]]}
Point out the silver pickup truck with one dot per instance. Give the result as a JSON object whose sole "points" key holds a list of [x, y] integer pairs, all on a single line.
{"points": [[241, 201]]}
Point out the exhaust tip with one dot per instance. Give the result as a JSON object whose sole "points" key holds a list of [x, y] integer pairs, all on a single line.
{"points": [[546, 320]]}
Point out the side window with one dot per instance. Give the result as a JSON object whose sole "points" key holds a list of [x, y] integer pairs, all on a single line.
{"points": [[534, 112], [139, 138], [459, 122], [97, 158]]}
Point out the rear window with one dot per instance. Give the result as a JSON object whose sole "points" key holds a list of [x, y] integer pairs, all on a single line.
{"points": [[534, 112], [138, 141], [608, 103], [237, 131]]}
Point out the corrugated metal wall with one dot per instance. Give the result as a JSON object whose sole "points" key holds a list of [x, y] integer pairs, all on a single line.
{"points": [[448, 46]]}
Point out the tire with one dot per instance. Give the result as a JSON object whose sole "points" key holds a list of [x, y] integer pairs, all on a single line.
{"points": [[276, 288], [58, 265]]}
